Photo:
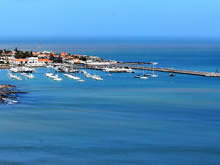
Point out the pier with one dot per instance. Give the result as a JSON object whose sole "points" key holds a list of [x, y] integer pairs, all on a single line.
{"points": [[168, 70], [188, 72]]}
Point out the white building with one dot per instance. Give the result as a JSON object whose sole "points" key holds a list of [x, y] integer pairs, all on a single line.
{"points": [[32, 60]]}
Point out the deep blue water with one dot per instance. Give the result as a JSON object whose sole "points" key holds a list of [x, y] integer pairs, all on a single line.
{"points": [[121, 120]]}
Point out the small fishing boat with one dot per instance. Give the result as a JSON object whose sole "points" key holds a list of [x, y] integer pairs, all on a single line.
{"points": [[14, 76], [137, 76], [98, 78], [48, 74], [58, 79], [30, 76], [143, 77], [154, 75], [83, 71], [81, 80], [147, 74]]}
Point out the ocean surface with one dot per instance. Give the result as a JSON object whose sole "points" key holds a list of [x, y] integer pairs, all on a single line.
{"points": [[121, 120]]}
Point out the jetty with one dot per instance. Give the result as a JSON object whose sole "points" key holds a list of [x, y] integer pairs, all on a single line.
{"points": [[133, 65], [170, 70]]}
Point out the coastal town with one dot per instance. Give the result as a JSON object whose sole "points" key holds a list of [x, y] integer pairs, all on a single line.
{"points": [[20, 61], [22, 65], [41, 59]]}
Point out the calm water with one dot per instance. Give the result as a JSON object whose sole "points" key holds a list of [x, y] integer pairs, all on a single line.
{"points": [[121, 120]]}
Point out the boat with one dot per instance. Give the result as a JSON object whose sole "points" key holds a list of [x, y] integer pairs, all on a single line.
{"points": [[81, 80], [51, 75], [30, 76], [54, 76], [58, 79], [64, 69], [14, 76], [137, 76], [143, 77], [48, 74], [83, 72], [74, 77], [154, 75], [118, 70], [171, 75], [22, 69], [98, 78], [147, 74]]}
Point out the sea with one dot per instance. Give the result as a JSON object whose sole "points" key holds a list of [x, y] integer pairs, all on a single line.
{"points": [[120, 120]]}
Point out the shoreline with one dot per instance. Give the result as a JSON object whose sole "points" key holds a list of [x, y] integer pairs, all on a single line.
{"points": [[68, 61]]}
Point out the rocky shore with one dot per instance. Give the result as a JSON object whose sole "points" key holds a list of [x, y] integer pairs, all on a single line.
{"points": [[8, 93]]}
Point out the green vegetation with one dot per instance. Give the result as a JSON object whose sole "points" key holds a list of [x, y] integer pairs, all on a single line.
{"points": [[23, 54]]}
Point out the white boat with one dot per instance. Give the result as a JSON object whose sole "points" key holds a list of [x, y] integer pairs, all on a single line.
{"points": [[143, 77], [58, 79], [54, 76], [14, 76], [99, 78], [48, 74], [154, 75], [74, 77], [81, 80], [147, 74], [96, 77], [22, 69], [118, 69], [83, 71], [88, 75], [30, 76]]}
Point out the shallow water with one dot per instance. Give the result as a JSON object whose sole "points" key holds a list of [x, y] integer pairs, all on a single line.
{"points": [[121, 120]]}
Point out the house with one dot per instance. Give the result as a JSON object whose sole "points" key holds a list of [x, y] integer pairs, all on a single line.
{"points": [[32, 60], [44, 61], [36, 53], [20, 61], [12, 53], [62, 54]]}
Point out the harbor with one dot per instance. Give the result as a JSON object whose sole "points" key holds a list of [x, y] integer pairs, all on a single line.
{"points": [[127, 67], [68, 64]]}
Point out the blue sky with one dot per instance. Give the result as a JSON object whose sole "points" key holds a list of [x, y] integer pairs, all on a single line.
{"points": [[113, 18]]}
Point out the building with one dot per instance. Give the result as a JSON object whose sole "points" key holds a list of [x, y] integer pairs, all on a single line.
{"points": [[32, 60], [20, 61], [44, 61]]}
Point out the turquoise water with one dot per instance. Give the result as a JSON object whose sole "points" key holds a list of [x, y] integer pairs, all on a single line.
{"points": [[121, 120]]}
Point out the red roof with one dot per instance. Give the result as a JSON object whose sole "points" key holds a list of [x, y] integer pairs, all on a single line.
{"points": [[69, 57], [21, 60], [44, 60], [36, 53], [63, 53]]}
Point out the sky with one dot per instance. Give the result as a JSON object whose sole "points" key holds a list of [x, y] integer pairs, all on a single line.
{"points": [[110, 18]]}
